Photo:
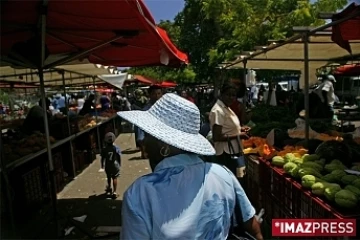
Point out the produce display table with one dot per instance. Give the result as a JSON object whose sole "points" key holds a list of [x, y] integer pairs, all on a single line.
{"points": [[29, 175], [348, 114], [281, 196], [13, 164]]}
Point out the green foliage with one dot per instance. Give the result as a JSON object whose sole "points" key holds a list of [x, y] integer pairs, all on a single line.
{"points": [[214, 31]]}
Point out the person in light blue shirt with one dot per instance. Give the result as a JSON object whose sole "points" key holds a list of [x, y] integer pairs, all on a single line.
{"points": [[184, 197]]}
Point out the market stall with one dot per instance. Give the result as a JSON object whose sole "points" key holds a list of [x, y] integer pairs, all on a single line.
{"points": [[299, 168], [131, 32], [308, 50]]}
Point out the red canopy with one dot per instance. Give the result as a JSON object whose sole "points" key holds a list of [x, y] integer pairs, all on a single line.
{"points": [[144, 80], [347, 30], [348, 70], [167, 84], [111, 33], [150, 81]]}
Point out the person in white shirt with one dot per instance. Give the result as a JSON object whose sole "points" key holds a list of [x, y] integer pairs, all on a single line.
{"points": [[326, 93], [254, 94]]}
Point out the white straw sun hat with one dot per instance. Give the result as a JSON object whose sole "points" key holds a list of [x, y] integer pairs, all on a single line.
{"points": [[174, 121]]}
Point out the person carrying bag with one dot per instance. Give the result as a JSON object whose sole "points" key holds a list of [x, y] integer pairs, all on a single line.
{"points": [[238, 159]]}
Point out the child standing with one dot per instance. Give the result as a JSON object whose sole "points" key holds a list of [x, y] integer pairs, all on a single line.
{"points": [[111, 159]]}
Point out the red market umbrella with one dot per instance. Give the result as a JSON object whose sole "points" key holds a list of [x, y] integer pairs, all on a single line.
{"points": [[348, 70], [168, 84], [116, 33], [144, 80]]}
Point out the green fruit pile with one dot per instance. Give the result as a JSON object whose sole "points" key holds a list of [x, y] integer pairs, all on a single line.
{"points": [[329, 181]]}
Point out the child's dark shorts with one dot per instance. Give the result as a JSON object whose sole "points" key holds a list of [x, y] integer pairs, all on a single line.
{"points": [[113, 173]]}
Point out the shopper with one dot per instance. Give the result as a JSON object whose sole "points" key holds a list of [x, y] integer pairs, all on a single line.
{"points": [[326, 93], [184, 197], [111, 160], [104, 101], [89, 105], [254, 94], [227, 131], [155, 93], [35, 118]]}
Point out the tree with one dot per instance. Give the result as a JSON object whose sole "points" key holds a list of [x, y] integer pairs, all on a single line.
{"points": [[213, 31]]}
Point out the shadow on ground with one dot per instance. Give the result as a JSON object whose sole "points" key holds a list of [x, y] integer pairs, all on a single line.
{"points": [[130, 151], [103, 220], [136, 158]]}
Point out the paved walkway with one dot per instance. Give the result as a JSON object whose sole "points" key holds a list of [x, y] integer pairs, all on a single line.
{"points": [[85, 196], [92, 183]]}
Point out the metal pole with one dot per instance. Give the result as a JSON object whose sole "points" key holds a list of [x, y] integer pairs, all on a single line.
{"points": [[69, 126], [46, 122], [96, 118], [297, 37], [306, 78], [244, 76]]}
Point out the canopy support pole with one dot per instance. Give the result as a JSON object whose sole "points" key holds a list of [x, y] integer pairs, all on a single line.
{"points": [[244, 77], [96, 119], [46, 122], [83, 53], [306, 77], [69, 126]]}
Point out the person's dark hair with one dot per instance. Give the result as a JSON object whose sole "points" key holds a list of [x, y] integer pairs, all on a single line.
{"points": [[47, 102], [153, 88], [242, 90], [91, 96], [226, 87]]}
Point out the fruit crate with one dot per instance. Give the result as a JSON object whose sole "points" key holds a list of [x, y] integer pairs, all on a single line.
{"points": [[285, 191], [33, 187], [315, 207], [254, 193], [252, 167], [252, 178], [265, 175]]}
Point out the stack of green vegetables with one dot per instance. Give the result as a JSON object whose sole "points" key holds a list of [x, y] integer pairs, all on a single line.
{"points": [[268, 117], [328, 181]]}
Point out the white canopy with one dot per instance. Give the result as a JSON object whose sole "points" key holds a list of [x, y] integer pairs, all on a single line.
{"points": [[115, 80], [73, 74], [322, 51]]}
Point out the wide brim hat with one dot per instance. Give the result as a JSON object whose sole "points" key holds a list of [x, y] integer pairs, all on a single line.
{"points": [[174, 121]]}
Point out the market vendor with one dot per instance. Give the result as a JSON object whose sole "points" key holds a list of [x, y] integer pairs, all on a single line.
{"points": [[326, 93], [238, 107], [35, 118], [226, 129], [88, 105], [140, 100]]}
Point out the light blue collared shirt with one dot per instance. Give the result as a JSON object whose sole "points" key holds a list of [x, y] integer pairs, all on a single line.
{"points": [[184, 198]]}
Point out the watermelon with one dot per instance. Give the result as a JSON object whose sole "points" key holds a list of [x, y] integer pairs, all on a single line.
{"points": [[335, 150]]}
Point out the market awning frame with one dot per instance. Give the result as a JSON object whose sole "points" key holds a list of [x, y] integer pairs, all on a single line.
{"points": [[303, 36]]}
